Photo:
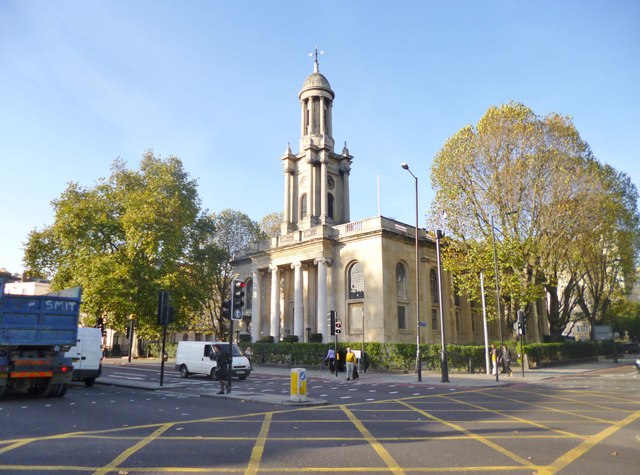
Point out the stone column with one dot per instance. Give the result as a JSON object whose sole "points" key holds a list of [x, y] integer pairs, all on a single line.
{"points": [[256, 299], [323, 188], [298, 311], [311, 115], [274, 316], [322, 297], [345, 195], [322, 119], [288, 173]]}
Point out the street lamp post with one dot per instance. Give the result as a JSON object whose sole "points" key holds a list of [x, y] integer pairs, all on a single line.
{"points": [[417, 264], [444, 365]]}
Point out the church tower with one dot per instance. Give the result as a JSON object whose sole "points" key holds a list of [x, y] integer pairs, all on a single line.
{"points": [[316, 180]]}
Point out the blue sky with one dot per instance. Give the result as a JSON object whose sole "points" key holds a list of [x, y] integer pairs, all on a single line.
{"points": [[216, 83]]}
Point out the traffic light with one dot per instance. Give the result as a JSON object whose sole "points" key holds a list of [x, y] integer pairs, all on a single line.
{"points": [[127, 332], [163, 303], [521, 323], [332, 322], [338, 327], [226, 309], [237, 299]]}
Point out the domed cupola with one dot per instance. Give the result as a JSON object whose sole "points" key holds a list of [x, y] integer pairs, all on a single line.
{"points": [[316, 101], [316, 81]]}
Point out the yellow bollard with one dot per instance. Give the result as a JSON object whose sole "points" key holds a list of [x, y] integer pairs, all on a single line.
{"points": [[298, 385]]}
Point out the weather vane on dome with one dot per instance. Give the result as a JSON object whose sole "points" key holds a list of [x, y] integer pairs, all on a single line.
{"points": [[315, 53]]}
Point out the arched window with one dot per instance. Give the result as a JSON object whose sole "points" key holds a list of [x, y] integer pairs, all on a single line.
{"points": [[401, 281], [330, 202], [433, 281], [356, 281], [303, 206]]}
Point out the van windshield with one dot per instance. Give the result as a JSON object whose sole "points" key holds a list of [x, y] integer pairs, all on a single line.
{"points": [[225, 347]]}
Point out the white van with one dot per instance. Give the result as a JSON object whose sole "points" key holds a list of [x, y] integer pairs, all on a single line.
{"points": [[87, 355], [197, 357]]}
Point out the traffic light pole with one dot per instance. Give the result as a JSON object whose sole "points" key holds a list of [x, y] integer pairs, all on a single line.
{"points": [[230, 369], [335, 352]]}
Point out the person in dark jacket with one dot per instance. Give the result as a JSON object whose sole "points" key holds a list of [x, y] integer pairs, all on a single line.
{"points": [[506, 360], [222, 369]]}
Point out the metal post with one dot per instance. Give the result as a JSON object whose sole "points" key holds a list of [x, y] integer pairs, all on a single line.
{"points": [[417, 264], [230, 369], [484, 324], [444, 365], [130, 338], [613, 335], [495, 262]]}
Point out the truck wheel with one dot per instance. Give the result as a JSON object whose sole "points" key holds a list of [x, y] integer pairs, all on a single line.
{"points": [[184, 372], [88, 382], [62, 390], [212, 374], [243, 377], [50, 390]]}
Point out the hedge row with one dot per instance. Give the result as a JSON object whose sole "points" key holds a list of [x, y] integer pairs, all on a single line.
{"points": [[402, 356]]}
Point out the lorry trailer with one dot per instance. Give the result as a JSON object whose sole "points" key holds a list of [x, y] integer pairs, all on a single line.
{"points": [[35, 333]]}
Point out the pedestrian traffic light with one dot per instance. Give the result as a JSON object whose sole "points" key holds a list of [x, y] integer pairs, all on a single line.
{"points": [[332, 322], [127, 332], [226, 309], [338, 327], [237, 299], [163, 303], [521, 323]]}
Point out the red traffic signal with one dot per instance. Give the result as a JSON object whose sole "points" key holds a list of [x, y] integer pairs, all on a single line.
{"points": [[237, 298], [338, 327]]}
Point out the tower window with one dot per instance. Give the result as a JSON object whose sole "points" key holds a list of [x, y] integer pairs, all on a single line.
{"points": [[303, 206]]}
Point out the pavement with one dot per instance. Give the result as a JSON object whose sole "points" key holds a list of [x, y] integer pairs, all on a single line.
{"points": [[429, 378]]}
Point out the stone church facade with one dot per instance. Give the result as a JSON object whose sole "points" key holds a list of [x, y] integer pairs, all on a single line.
{"points": [[323, 261]]}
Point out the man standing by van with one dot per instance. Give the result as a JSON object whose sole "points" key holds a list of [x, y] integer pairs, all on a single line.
{"points": [[222, 369]]}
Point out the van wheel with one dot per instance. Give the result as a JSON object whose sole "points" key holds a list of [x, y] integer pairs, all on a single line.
{"points": [[184, 372], [242, 377], [212, 375], [88, 382]]}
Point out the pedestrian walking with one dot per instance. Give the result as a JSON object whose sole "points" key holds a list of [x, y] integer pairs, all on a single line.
{"points": [[350, 360], [506, 360], [330, 360], [222, 369]]}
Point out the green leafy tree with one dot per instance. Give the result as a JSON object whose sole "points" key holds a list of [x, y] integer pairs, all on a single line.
{"points": [[123, 240], [234, 231], [531, 182]]}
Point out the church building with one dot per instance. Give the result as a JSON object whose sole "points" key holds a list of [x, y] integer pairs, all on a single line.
{"points": [[322, 261]]}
